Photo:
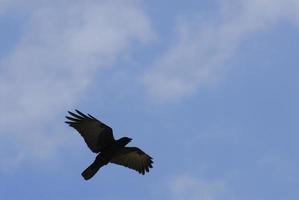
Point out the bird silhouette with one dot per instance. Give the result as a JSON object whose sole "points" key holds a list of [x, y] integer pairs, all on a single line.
{"points": [[99, 138]]}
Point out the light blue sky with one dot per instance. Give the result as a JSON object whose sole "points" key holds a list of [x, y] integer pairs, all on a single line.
{"points": [[207, 88]]}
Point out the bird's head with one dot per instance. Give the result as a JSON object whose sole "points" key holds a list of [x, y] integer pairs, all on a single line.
{"points": [[123, 141]]}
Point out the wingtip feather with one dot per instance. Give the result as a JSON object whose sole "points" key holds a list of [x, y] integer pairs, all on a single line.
{"points": [[82, 114]]}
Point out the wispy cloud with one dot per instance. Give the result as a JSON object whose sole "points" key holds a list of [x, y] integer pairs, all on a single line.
{"points": [[190, 188], [203, 45], [61, 47]]}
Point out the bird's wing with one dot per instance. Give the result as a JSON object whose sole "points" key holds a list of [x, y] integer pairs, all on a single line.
{"points": [[96, 134], [133, 158]]}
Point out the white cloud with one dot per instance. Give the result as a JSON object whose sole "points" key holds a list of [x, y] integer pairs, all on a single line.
{"points": [[204, 44], [191, 188], [63, 44]]}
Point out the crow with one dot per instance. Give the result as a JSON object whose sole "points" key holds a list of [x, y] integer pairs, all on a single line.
{"points": [[99, 138]]}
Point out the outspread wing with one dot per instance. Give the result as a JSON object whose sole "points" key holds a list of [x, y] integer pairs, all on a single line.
{"points": [[133, 158], [96, 134]]}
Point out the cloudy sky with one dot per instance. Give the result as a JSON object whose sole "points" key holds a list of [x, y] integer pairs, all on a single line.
{"points": [[210, 89]]}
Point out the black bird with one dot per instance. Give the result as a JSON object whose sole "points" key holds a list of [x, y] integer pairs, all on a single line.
{"points": [[99, 138]]}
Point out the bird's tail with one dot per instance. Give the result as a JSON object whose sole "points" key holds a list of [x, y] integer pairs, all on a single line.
{"points": [[90, 171]]}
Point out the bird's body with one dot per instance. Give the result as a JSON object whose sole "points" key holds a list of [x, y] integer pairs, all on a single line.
{"points": [[99, 138]]}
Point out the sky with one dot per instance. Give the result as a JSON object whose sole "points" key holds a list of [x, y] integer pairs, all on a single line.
{"points": [[209, 89]]}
